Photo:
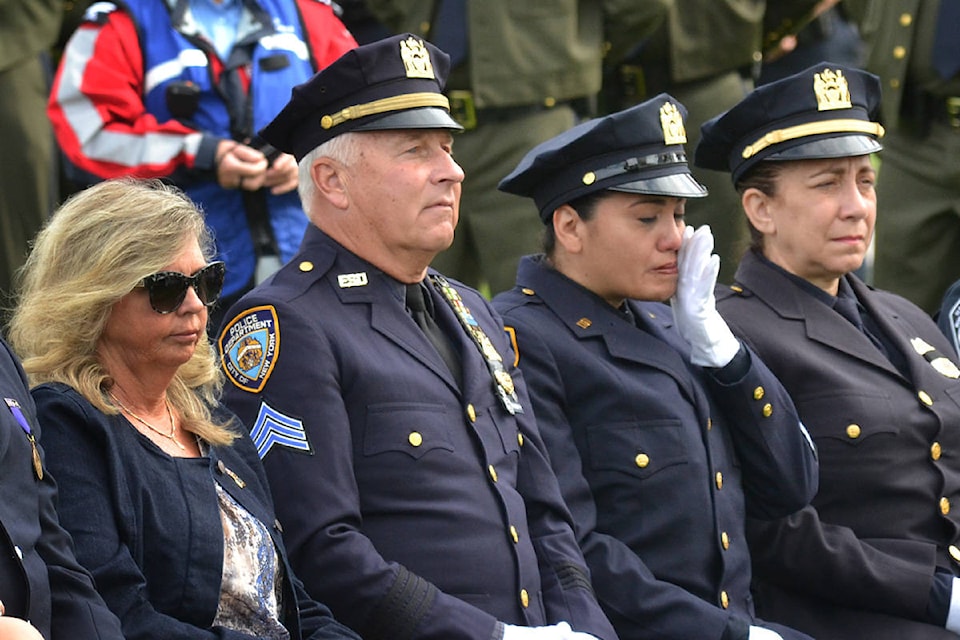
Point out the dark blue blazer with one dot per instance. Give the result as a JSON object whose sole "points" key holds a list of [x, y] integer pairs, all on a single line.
{"points": [[147, 525], [860, 560], [413, 507], [659, 461], [40, 579]]}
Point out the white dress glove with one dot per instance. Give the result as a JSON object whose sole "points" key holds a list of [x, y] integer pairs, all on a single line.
{"points": [[953, 616], [559, 631], [759, 633], [694, 305]]}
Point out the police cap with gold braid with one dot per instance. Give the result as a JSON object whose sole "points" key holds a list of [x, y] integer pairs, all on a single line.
{"points": [[394, 83], [826, 111], [637, 150]]}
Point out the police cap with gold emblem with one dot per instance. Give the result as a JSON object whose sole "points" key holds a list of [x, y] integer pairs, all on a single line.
{"points": [[826, 111], [637, 150], [394, 83]]}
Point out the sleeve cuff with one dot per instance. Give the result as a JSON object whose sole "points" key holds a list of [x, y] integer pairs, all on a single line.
{"points": [[735, 370]]}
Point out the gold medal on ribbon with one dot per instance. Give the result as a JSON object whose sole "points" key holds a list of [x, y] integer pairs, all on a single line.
{"points": [[37, 464]]}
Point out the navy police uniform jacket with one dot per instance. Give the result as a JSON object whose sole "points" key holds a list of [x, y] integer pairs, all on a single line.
{"points": [[40, 579], [860, 561], [148, 525], [414, 508], [658, 460]]}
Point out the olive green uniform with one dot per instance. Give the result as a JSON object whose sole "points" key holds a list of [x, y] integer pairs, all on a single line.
{"points": [[917, 250], [28, 28]]}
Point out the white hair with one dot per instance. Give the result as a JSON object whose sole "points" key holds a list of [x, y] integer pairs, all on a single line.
{"points": [[342, 148]]}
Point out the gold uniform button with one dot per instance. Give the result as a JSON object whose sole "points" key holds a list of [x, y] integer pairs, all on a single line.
{"points": [[767, 410], [415, 439], [724, 599], [719, 480], [905, 19], [894, 83], [493, 472], [899, 53], [709, 424], [758, 393], [471, 413], [954, 552], [642, 460], [520, 439], [944, 506], [725, 540], [853, 431], [736, 288], [527, 291], [935, 451], [524, 598], [925, 398], [550, 102], [514, 535], [305, 266]]}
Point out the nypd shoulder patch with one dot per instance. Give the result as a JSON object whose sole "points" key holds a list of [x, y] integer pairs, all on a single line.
{"points": [[274, 428], [249, 346]]}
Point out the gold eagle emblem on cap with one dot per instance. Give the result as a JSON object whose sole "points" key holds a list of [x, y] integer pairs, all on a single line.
{"points": [[672, 124], [831, 90], [416, 59]]}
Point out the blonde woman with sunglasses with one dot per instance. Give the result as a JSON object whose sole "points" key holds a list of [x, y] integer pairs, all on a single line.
{"points": [[163, 494]]}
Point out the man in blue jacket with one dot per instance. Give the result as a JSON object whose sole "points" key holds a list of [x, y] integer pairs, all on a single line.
{"points": [[407, 467]]}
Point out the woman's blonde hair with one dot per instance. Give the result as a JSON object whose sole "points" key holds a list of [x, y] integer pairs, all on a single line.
{"points": [[95, 249]]}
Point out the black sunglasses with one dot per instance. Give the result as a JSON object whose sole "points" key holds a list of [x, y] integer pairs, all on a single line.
{"points": [[168, 289]]}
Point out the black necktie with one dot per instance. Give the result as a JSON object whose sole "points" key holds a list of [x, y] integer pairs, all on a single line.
{"points": [[849, 308], [417, 305], [852, 310], [946, 41]]}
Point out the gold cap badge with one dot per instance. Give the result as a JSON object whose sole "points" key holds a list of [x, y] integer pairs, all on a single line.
{"points": [[831, 90], [672, 124], [416, 59]]}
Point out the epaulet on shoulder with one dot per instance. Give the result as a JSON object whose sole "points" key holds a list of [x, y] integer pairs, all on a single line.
{"points": [[98, 12]]}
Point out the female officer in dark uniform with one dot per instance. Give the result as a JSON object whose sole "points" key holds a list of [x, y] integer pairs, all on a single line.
{"points": [[663, 430], [875, 555]]}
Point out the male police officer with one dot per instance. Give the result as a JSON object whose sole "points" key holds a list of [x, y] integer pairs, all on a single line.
{"points": [[407, 467]]}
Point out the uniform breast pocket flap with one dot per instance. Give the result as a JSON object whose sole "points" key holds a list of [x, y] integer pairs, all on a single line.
{"points": [[640, 448], [409, 428], [853, 420]]}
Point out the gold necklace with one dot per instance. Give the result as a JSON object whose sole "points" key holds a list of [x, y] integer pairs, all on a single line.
{"points": [[173, 427]]}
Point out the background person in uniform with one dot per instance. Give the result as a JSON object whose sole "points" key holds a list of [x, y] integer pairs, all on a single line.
{"points": [[662, 428], [40, 579], [521, 72], [159, 485], [875, 382], [28, 184], [176, 89], [913, 45], [413, 487]]}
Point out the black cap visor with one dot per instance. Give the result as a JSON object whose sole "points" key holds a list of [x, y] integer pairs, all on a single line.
{"points": [[422, 118], [680, 185]]}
